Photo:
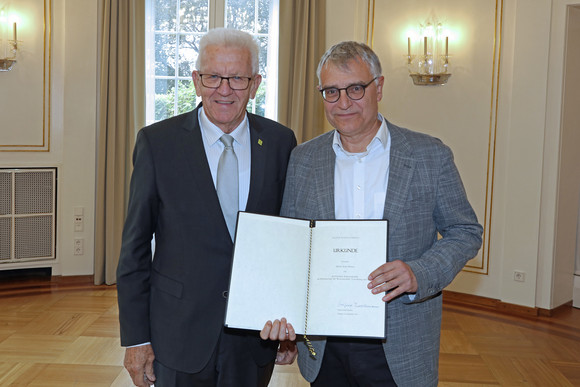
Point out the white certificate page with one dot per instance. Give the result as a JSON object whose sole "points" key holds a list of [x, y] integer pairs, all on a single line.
{"points": [[344, 254], [272, 276], [269, 272]]}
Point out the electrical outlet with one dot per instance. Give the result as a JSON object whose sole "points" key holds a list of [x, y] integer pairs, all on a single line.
{"points": [[519, 276], [79, 223], [79, 246]]}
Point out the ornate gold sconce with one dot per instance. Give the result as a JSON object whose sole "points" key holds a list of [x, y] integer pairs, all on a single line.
{"points": [[428, 55], [8, 47]]}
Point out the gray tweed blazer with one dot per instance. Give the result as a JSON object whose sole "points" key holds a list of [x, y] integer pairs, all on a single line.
{"points": [[425, 197]]}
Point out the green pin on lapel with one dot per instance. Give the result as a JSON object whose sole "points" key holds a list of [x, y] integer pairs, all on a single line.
{"points": [[260, 142]]}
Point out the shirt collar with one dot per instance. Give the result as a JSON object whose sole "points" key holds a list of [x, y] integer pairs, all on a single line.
{"points": [[379, 140], [212, 132]]}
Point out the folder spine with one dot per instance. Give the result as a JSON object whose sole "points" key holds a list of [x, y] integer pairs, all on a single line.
{"points": [[306, 340]]}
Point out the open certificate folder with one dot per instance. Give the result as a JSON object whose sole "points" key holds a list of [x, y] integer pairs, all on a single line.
{"points": [[314, 273]]}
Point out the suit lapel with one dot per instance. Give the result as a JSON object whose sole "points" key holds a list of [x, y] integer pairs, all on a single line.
{"points": [[193, 152], [324, 161], [401, 168], [258, 149]]}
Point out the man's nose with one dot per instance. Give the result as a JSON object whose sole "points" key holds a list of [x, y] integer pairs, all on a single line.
{"points": [[343, 99], [224, 86]]}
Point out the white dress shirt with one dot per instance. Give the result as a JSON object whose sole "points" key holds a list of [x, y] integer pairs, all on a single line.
{"points": [[360, 179]]}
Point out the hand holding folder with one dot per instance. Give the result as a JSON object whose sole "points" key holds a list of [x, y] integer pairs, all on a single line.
{"points": [[283, 332], [314, 273]]}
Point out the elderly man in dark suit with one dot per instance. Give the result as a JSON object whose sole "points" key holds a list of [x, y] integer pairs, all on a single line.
{"points": [[192, 173], [369, 168]]}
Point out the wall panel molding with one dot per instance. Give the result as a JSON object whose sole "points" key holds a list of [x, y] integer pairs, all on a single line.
{"points": [[26, 105], [475, 66]]}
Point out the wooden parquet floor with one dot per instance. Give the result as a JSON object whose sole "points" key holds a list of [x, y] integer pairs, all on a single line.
{"points": [[64, 332]]}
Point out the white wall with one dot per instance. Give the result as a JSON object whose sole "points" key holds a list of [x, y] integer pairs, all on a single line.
{"points": [[72, 122], [523, 125], [78, 168], [520, 210], [527, 150], [561, 189]]}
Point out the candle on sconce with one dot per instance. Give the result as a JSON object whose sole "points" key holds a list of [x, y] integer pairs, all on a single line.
{"points": [[4, 35], [446, 47], [2, 18], [425, 46], [408, 46], [15, 35]]}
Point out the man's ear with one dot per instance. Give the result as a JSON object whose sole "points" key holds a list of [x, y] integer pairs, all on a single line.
{"points": [[196, 81], [254, 85], [380, 83]]}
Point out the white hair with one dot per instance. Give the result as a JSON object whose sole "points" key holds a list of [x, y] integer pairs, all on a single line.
{"points": [[229, 37], [342, 53]]}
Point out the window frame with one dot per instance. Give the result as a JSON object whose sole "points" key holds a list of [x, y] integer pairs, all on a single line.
{"points": [[216, 18]]}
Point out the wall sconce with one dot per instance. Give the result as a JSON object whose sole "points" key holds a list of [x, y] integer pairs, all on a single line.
{"points": [[8, 47], [428, 55]]}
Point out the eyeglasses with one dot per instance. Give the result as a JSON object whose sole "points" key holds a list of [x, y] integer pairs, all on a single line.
{"points": [[214, 81], [354, 92]]}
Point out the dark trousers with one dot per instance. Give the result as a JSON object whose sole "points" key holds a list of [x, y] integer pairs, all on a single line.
{"points": [[231, 365], [354, 363]]}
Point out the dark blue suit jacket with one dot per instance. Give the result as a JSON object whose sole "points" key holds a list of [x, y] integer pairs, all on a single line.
{"points": [[177, 300]]}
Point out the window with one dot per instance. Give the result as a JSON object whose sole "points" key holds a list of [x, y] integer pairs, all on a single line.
{"points": [[174, 28]]}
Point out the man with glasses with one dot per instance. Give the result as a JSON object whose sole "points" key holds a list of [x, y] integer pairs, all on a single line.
{"points": [[369, 168], [192, 173]]}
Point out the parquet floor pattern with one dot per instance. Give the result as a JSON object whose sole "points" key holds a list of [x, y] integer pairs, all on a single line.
{"points": [[64, 332]]}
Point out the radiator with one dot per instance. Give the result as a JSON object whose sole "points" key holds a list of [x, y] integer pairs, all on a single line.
{"points": [[27, 214]]}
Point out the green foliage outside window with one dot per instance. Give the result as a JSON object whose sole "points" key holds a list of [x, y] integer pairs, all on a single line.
{"points": [[186, 100], [178, 26]]}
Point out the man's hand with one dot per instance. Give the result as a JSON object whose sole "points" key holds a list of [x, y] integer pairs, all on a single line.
{"points": [[139, 363], [278, 330], [395, 276], [287, 352], [284, 332]]}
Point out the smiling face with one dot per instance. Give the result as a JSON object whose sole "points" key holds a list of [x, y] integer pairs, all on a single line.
{"points": [[223, 106], [356, 121]]}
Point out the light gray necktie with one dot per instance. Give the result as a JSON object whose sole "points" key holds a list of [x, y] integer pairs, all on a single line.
{"points": [[227, 183]]}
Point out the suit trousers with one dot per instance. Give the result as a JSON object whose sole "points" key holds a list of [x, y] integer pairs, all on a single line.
{"points": [[231, 365], [351, 362]]}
